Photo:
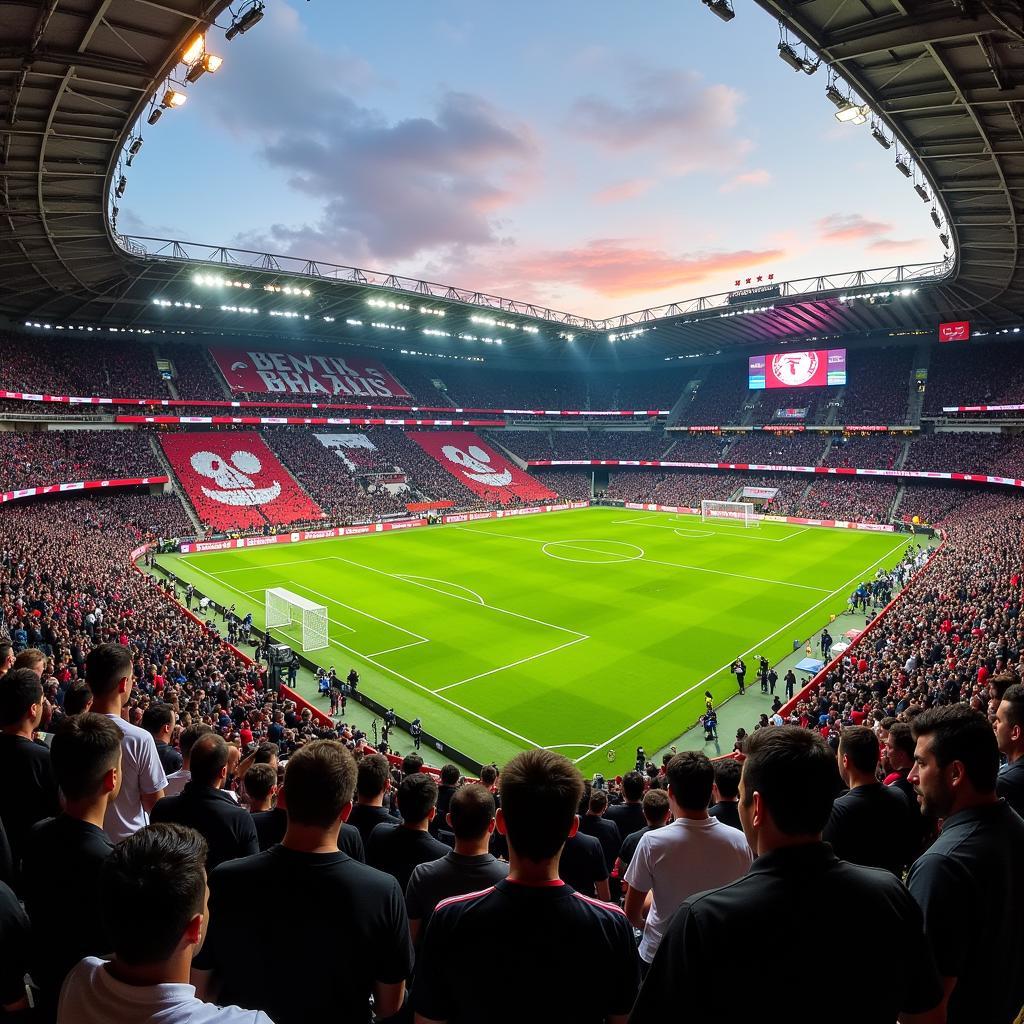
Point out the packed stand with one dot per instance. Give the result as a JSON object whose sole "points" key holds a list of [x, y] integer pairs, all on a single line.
{"points": [[857, 499], [482, 388], [426, 475], [769, 449], [929, 504], [768, 402], [976, 373], [878, 386], [571, 485], [967, 452], [865, 452], [720, 398], [672, 488]]}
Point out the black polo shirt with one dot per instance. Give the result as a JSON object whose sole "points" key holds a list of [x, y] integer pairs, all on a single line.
{"points": [[628, 850], [397, 850], [695, 967], [628, 818], [606, 833], [582, 864], [170, 759], [453, 875], [271, 826], [15, 942], [546, 938], [1010, 785], [970, 886], [367, 818], [874, 825], [727, 812], [344, 922], [227, 828], [60, 878], [28, 792]]}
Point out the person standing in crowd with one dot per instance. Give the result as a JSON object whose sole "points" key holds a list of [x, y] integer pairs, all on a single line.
{"points": [[725, 793], [656, 814], [350, 927], [790, 680], [15, 944], [1009, 729], [400, 847], [762, 672], [969, 882], [786, 790], [159, 720], [468, 868], [261, 788], [416, 732], [532, 925], [108, 671], [593, 823], [86, 759], [629, 815], [693, 853], [826, 644], [871, 824], [28, 793], [189, 737], [739, 669], [203, 805], [449, 780], [373, 780], [154, 898]]}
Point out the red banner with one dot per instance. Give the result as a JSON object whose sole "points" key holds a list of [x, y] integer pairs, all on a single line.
{"points": [[956, 330], [81, 485], [469, 459], [234, 480], [298, 373]]}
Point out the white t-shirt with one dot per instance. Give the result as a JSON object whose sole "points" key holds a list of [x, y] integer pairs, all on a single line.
{"points": [[141, 772], [176, 781], [91, 995], [679, 860]]}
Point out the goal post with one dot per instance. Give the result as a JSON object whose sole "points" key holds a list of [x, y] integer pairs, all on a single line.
{"points": [[284, 609], [740, 512]]}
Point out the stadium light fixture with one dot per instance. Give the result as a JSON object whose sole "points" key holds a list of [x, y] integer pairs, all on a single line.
{"points": [[795, 61], [154, 115], [944, 239], [208, 62], [173, 98], [936, 220], [720, 8], [881, 138], [836, 97], [922, 192], [250, 14], [903, 167], [852, 113], [133, 149], [122, 184], [194, 50]]}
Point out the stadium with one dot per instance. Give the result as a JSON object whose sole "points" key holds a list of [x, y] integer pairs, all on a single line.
{"points": [[721, 575]]}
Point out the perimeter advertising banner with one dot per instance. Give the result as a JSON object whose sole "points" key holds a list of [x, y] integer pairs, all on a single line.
{"points": [[812, 369], [296, 373]]}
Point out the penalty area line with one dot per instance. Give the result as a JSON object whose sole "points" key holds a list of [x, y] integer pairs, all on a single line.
{"points": [[513, 664]]}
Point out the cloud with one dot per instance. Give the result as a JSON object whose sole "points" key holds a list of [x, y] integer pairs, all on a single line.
{"points": [[748, 179], [850, 227], [616, 267], [620, 191], [895, 244], [682, 121]]}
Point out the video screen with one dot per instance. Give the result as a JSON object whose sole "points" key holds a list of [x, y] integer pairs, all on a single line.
{"points": [[815, 369]]}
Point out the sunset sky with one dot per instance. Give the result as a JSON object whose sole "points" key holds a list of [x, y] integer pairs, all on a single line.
{"points": [[591, 156]]}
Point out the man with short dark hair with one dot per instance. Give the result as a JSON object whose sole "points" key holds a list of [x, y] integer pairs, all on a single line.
{"points": [[786, 790], [373, 780], [726, 793], [28, 792], [447, 783], [176, 782], [110, 674], [154, 899], [1009, 730], [203, 805], [63, 856], [694, 853], [468, 868], [656, 814], [399, 848], [543, 934], [349, 921], [871, 824], [629, 815], [592, 823], [158, 720], [969, 882]]}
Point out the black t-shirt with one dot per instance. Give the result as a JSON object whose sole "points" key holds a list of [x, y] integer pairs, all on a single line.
{"points": [[628, 818], [727, 812], [29, 792], [874, 826], [344, 923], [970, 886], [628, 850], [546, 939], [1010, 785], [170, 759], [606, 833], [444, 802], [582, 864], [453, 875], [60, 878], [271, 826], [367, 818], [695, 966], [226, 827], [15, 939], [397, 850]]}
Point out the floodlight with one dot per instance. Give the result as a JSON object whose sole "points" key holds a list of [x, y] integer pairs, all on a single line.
{"points": [[133, 150], [851, 113], [122, 184], [922, 192], [253, 12], [154, 115], [944, 239], [936, 220], [720, 8], [207, 62], [903, 167], [194, 50], [881, 138], [173, 98], [791, 57], [836, 97]]}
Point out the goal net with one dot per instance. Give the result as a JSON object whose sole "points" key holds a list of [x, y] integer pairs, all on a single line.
{"points": [[738, 511], [285, 609]]}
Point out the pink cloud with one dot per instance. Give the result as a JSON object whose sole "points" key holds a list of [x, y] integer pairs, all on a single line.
{"points": [[894, 244], [849, 227], [749, 179], [622, 190]]}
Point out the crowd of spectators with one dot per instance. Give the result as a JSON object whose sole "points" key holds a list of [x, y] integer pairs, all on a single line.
{"points": [[861, 499], [967, 452], [36, 458], [719, 399], [929, 504], [770, 449], [585, 444], [865, 451], [572, 485], [878, 388], [767, 403], [978, 373], [674, 488]]}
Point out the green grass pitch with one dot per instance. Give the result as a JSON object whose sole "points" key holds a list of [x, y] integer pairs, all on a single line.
{"points": [[586, 631]]}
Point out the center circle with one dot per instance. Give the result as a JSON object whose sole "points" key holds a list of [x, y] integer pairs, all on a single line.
{"points": [[593, 552]]}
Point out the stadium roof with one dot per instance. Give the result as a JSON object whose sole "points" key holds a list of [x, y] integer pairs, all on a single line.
{"points": [[75, 76]]}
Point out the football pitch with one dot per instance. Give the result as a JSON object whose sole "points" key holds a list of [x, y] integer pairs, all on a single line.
{"points": [[590, 631]]}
